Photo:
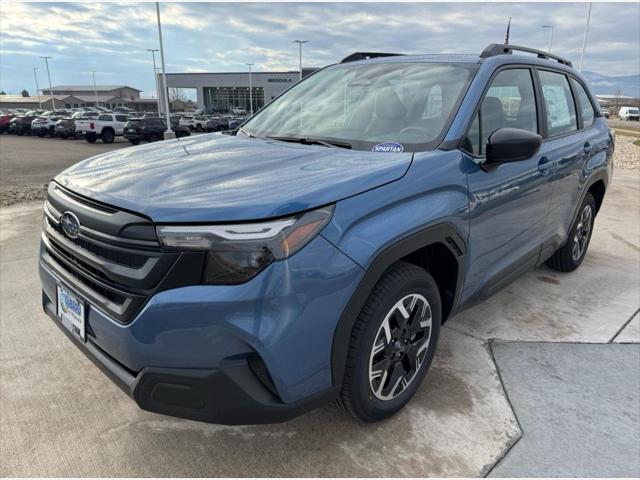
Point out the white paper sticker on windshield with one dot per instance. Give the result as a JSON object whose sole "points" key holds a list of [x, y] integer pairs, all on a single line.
{"points": [[389, 147]]}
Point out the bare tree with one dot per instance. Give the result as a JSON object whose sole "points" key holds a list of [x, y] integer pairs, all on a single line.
{"points": [[177, 94], [25, 93]]}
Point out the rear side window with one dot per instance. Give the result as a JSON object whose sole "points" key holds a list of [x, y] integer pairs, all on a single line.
{"points": [[105, 118], [586, 108], [121, 118], [509, 103], [561, 110]]}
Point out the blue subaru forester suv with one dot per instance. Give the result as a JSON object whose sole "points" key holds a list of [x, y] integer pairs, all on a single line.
{"points": [[313, 254]]}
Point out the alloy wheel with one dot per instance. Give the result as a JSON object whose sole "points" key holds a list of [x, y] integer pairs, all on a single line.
{"points": [[583, 231], [400, 346]]}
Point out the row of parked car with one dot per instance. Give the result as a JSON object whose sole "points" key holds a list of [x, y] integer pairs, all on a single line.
{"points": [[94, 124]]}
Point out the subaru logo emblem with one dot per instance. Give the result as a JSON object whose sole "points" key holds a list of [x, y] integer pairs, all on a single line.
{"points": [[70, 224]]}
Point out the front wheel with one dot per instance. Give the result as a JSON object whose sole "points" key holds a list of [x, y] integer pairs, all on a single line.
{"points": [[571, 254], [392, 344]]}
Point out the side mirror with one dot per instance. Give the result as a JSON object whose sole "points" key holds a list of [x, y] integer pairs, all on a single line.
{"points": [[512, 145]]}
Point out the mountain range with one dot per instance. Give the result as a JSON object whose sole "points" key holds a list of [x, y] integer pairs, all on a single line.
{"points": [[627, 85]]}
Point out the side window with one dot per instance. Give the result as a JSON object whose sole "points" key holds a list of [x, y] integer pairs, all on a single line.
{"points": [[586, 108], [561, 110], [121, 118], [105, 118], [509, 102]]}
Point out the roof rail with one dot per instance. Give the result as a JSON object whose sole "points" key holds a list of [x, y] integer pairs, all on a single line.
{"points": [[367, 55], [495, 49]]}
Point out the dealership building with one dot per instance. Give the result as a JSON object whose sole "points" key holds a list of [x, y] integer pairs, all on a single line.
{"points": [[228, 90]]}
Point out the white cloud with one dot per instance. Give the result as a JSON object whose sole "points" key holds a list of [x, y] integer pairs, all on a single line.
{"points": [[113, 37]]}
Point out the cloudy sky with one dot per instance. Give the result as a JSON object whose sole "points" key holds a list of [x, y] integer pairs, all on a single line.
{"points": [[111, 38]]}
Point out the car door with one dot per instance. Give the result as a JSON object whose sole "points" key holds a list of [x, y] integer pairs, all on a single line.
{"points": [[569, 146], [508, 202]]}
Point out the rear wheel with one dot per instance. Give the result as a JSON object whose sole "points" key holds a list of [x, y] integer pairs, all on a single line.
{"points": [[134, 141], [392, 344], [91, 137], [108, 136], [571, 254], [153, 137]]}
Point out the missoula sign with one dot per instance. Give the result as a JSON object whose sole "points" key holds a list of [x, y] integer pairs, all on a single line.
{"points": [[279, 80]]}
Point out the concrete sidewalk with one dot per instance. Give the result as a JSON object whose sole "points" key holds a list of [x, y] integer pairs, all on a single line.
{"points": [[59, 416]]}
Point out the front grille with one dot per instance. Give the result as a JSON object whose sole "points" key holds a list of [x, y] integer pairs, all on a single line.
{"points": [[117, 256], [113, 271], [103, 292]]}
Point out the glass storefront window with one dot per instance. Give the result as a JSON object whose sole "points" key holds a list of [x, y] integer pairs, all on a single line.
{"points": [[228, 98]]}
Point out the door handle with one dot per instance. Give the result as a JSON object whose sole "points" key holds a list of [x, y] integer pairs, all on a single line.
{"points": [[588, 146], [545, 164]]}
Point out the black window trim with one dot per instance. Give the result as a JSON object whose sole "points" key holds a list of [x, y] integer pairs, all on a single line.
{"points": [[537, 93]]}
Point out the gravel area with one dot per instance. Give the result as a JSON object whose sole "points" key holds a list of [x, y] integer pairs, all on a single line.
{"points": [[627, 155], [10, 195]]}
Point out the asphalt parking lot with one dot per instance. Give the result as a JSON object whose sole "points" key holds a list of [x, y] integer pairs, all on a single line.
{"points": [[543, 379]]}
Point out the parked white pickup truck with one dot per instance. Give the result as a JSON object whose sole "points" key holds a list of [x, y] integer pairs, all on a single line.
{"points": [[107, 126]]}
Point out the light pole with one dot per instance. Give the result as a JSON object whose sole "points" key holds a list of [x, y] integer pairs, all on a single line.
{"points": [[584, 40], [35, 75], [169, 133], [550, 27], [53, 100], [95, 88], [300, 43], [250, 90], [155, 74]]}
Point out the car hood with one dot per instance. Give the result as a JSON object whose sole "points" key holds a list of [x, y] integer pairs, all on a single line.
{"points": [[216, 178]]}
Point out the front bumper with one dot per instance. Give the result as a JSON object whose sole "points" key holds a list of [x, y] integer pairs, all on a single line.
{"points": [[231, 395], [189, 351]]}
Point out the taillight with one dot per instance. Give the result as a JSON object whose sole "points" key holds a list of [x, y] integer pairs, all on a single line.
{"points": [[92, 125]]}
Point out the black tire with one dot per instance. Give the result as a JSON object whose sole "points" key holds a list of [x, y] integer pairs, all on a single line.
{"points": [[134, 142], [569, 257], [108, 136], [91, 137], [357, 396], [153, 137], [20, 132], [41, 133]]}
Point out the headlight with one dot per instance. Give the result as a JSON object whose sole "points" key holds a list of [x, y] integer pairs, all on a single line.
{"points": [[238, 252]]}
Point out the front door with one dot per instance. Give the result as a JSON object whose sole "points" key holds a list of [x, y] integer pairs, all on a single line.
{"points": [[509, 202]]}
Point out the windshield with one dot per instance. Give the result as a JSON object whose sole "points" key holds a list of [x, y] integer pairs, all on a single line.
{"points": [[365, 105]]}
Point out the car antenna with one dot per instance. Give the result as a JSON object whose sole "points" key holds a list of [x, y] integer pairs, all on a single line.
{"points": [[506, 37]]}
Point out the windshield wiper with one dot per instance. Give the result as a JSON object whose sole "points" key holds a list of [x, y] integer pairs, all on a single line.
{"points": [[248, 134], [313, 141]]}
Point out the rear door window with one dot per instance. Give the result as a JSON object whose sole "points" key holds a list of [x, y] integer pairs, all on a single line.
{"points": [[561, 109], [586, 108]]}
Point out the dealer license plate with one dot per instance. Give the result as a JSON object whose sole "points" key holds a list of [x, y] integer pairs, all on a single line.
{"points": [[71, 312]]}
